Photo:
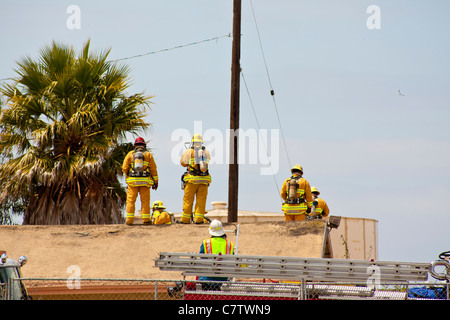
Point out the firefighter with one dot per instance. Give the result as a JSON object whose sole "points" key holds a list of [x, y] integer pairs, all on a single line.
{"points": [[160, 215], [296, 193], [216, 244], [196, 180], [321, 207], [141, 174]]}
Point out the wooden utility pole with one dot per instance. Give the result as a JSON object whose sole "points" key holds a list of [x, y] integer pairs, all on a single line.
{"points": [[233, 175]]}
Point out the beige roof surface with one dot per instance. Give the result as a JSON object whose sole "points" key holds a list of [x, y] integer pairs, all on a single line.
{"points": [[128, 252]]}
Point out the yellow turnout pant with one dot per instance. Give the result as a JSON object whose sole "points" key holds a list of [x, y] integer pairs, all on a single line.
{"points": [[294, 217], [192, 191], [132, 193]]}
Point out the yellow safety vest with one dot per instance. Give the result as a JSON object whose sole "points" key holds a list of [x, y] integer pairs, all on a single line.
{"points": [[216, 245]]}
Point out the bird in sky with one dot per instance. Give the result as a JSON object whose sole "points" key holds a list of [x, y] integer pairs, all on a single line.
{"points": [[399, 93]]}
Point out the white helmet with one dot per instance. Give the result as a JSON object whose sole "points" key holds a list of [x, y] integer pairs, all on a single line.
{"points": [[216, 228]]}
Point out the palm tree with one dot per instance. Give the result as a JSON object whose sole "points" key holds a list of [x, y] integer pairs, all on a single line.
{"points": [[62, 134]]}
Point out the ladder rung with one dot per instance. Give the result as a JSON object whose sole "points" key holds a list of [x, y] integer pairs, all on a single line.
{"points": [[291, 267]]}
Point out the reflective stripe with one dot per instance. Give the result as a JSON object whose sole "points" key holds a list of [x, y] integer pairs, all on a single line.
{"points": [[185, 215], [229, 248], [189, 178], [198, 215], [161, 217], [294, 212], [130, 214], [139, 181], [207, 246], [218, 245], [294, 208]]}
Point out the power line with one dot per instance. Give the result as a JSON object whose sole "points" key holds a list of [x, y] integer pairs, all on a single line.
{"points": [[176, 47], [259, 130], [272, 92], [161, 50]]}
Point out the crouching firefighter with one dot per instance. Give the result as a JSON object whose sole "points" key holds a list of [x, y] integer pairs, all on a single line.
{"points": [[196, 180], [320, 208], [141, 174], [296, 193], [160, 215]]}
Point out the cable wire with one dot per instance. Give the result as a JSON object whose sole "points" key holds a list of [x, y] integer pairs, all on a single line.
{"points": [[161, 50], [272, 92], [176, 47], [259, 130]]}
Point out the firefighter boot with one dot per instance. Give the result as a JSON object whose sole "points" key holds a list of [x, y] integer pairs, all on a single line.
{"points": [[130, 219]]}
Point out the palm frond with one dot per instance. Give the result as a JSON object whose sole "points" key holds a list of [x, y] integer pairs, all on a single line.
{"points": [[61, 128]]}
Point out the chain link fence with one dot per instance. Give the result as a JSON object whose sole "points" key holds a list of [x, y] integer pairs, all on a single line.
{"points": [[126, 289]]}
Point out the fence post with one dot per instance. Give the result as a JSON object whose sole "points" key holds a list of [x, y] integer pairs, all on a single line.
{"points": [[9, 289], [302, 290]]}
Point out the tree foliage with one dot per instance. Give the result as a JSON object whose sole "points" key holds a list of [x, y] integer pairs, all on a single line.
{"points": [[62, 133]]}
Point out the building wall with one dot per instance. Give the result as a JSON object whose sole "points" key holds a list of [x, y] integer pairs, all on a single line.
{"points": [[356, 238]]}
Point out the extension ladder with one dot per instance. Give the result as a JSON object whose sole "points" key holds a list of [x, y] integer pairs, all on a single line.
{"points": [[291, 268]]}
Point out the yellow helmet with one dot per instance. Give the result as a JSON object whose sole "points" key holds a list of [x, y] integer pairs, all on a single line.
{"points": [[158, 204], [197, 138], [314, 190], [297, 167]]}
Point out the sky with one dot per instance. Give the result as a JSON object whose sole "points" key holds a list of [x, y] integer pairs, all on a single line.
{"points": [[360, 98]]}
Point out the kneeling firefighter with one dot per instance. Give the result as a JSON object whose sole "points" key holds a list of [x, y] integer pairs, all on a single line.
{"points": [[196, 180], [160, 215], [296, 193], [141, 174], [320, 206]]}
